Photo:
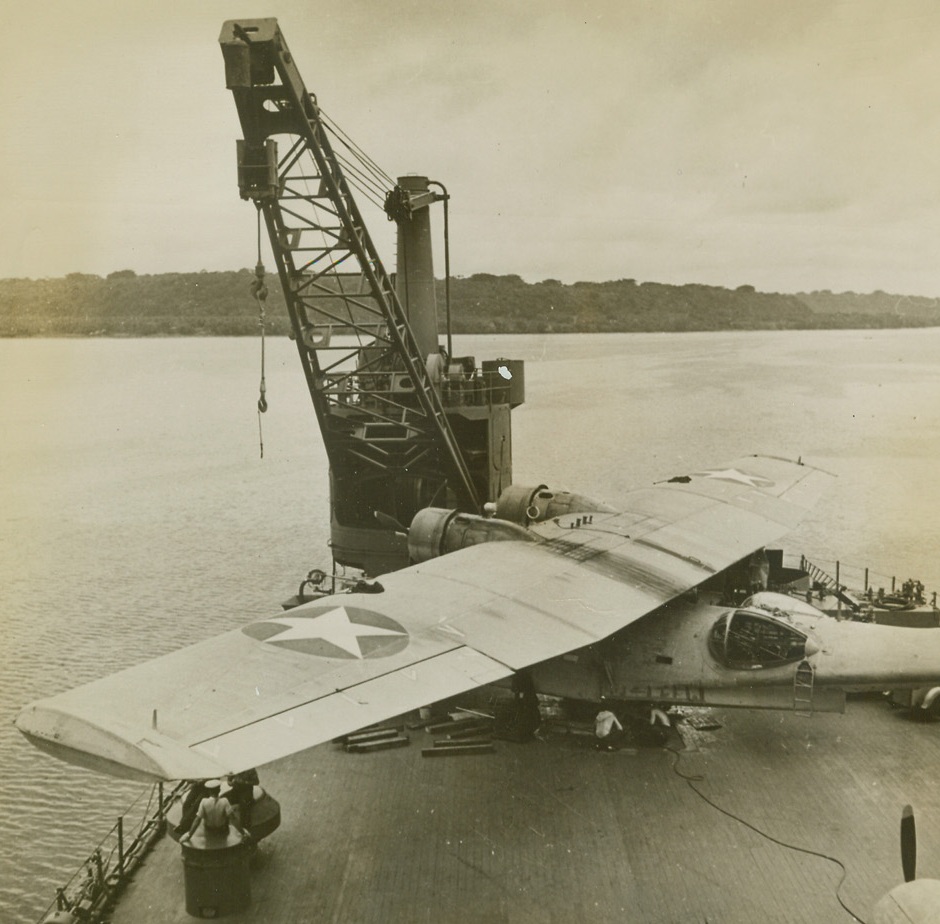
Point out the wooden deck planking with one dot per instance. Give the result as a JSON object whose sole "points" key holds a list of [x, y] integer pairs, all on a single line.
{"points": [[554, 831]]}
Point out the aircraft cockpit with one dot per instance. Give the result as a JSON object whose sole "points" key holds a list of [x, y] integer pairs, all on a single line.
{"points": [[749, 638]]}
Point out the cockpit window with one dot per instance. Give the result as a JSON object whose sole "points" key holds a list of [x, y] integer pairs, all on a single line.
{"points": [[749, 640]]}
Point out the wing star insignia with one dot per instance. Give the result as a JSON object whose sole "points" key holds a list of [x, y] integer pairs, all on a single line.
{"points": [[333, 632], [737, 476]]}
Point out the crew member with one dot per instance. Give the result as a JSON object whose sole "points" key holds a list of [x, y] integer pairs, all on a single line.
{"points": [[658, 717], [608, 731], [242, 794], [216, 813], [658, 730], [528, 716], [197, 792], [758, 572]]}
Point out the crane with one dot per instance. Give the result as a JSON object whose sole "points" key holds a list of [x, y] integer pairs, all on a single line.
{"points": [[405, 424]]}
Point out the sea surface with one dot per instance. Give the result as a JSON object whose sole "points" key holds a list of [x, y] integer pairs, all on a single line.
{"points": [[138, 514]]}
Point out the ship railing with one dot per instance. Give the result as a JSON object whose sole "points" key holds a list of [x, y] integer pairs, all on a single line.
{"points": [[395, 391], [95, 885], [838, 575], [479, 389]]}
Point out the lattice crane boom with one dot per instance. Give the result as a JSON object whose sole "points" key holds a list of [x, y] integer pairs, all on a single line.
{"points": [[379, 383]]}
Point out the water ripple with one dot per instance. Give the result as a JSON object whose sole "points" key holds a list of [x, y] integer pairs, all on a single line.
{"points": [[137, 518]]}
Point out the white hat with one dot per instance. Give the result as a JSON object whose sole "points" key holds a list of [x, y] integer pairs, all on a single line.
{"points": [[212, 784]]}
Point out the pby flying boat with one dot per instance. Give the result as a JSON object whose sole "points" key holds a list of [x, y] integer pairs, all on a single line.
{"points": [[488, 579], [594, 603]]}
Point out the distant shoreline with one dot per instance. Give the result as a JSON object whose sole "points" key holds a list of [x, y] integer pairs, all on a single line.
{"points": [[124, 304]]}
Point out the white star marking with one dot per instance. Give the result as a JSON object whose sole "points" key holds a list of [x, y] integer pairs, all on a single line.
{"points": [[334, 627], [732, 474]]}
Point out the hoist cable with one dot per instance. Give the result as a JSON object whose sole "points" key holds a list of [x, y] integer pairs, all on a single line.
{"points": [[354, 148], [366, 177], [260, 293], [365, 184]]}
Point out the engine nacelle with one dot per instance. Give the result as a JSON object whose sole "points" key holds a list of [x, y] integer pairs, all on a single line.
{"points": [[524, 505], [436, 532]]}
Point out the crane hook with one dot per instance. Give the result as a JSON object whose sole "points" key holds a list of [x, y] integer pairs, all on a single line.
{"points": [[260, 293]]}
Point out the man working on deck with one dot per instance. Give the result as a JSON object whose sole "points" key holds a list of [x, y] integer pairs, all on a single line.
{"points": [[217, 813], [608, 731]]}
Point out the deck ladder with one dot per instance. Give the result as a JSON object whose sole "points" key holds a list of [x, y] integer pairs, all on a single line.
{"points": [[818, 576], [803, 689], [832, 585]]}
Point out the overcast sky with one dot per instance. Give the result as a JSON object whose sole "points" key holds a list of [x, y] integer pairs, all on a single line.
{"points": [[787, 145]]}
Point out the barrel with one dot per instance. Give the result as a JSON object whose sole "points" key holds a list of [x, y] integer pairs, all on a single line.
{"points": [[216, 875]]}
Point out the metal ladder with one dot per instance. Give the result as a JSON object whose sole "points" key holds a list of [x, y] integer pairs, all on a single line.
{"points": [[831, 584], [818, 575], [803, 689]]}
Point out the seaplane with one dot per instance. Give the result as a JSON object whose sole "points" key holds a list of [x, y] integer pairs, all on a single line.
{"points": [[674, 596], [587, 602], [669, 598]]}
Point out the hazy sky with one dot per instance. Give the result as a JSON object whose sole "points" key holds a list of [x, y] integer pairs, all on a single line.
{"points": [[788, 145]]}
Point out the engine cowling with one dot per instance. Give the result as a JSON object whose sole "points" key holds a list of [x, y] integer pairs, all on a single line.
{"points": [[524, 505], [435, 532]]}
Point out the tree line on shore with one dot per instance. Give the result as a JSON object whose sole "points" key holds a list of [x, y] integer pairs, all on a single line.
{"points": [[125, 304]]}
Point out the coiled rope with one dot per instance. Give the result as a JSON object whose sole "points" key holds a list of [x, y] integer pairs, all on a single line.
{"points": [[259, 291]]}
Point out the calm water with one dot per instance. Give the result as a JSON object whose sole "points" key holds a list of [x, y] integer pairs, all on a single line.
{"points": [[137, 516]]}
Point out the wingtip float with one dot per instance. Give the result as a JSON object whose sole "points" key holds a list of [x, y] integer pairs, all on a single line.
{"points": [[112, 749]]}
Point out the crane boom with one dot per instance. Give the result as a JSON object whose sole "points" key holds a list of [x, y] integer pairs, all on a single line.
{"points": [[379, 383]]}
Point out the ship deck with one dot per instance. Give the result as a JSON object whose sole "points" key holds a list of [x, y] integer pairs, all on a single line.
{"points": [[556, 831]]}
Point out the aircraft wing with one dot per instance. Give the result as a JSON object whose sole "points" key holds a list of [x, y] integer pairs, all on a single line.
{"points": [[439, 628]]}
